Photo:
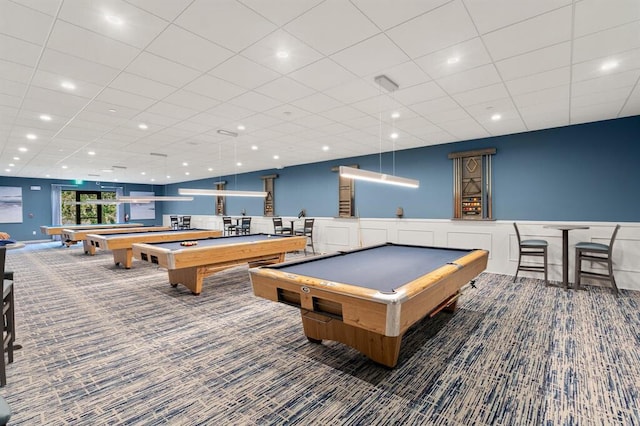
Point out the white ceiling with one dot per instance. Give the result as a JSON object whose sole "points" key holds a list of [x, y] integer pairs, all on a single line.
{"points": [[187, 68]]}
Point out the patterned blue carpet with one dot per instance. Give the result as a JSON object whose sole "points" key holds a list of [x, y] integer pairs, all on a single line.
{"points": [[104, 346]]}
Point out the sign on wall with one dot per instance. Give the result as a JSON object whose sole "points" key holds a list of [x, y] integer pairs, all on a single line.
{"points": [[142, 210], [10, 204]]}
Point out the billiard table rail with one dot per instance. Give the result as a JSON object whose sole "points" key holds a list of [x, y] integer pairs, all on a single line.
{"points": [[365, 318]]}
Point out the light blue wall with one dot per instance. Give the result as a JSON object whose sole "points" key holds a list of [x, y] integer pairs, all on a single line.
{"points": [[36, 205], [587, 172]]}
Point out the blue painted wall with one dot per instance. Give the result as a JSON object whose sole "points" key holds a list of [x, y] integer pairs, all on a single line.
{"points": [[36, 205], [585, 172]]}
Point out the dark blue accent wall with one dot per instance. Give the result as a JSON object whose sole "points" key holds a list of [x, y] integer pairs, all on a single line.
{"points": [[585, 172]]}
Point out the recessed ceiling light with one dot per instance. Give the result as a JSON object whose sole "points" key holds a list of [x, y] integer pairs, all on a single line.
{"points": [[115, 179], [185, 164], [609, 65], [91, 153], [275, 157], [68, 85], [143, 173], [11, 165], [16, 158], [64, 167], [22, 149], [210, 169], [168, 177], [45, 117], [143, 126], [153, 180], [395, 115], [453, 60], [47, 175], [394, 135], [282, 54], [254, 148], [186, 173], [238, 164], [496, 117], [112, 110], [31, 136], [113, 20], [7, 170], [325, 148], [240, 127]]}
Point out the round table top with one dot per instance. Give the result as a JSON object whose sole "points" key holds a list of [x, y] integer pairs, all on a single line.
{"points": [[566, 227]]}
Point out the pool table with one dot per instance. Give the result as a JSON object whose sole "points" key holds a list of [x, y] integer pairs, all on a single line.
{"points": [[72, 236], [121, 244], [368, 298], [57, 229], [190, 265]]}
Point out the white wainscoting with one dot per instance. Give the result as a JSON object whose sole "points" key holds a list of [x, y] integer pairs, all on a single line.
{"points": [[334, 234]]}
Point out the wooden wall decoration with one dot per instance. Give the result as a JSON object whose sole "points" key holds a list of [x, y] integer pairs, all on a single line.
{"points": [[472, 196], [346, 194], [220, 203], [269, 200]]}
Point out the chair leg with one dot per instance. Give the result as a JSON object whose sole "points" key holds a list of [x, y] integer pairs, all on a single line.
{"points": [[578, 269], [518, 268], [546, 281], [613, 280]]}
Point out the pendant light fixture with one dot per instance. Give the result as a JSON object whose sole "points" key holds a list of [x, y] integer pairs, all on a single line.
{"points": [[352, 173]]}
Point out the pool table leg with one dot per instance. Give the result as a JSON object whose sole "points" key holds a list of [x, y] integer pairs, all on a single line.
{"points": [[382, 349], [191, 278], [123, 257], [88, 248]]}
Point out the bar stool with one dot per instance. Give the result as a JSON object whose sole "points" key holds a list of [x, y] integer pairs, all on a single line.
{"points": [[600, 253], [534, 248], [307, 231], [279, 228]]}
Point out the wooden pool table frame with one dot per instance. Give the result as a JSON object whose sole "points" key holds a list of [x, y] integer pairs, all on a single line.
{"points": [[366, 319], [122, 245], [190, 265], [73, 236]]}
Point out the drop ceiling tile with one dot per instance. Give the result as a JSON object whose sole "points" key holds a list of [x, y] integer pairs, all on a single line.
{"points": [[265, 51], [183, 47], [494, 92], [322, 75], [214, 88], [141, 86], [317, 103], [285, 89], [187, 99], [24, 23], [607, 44], [629, 60], [536, 33], [593, 15], [125, 99], [137, 27], [172, 110], [433, 106], [388, 14], [254, 101], [74, 68], [443, 27], [20, 51], [93, 47], [557, 95], [539, 81], [465, 129], [348, 26], [606, 84], [419, 93], [451, 60], [468, 80], [231, 111], [219, 22], [342, 113], [373, 55], [601, 111], [282, 11], [542, 60], [353, 91], [162, 70], [496, 14], [404, 75], [167, 10], [244, 73]]}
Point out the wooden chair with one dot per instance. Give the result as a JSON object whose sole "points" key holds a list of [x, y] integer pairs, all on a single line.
{"points": [[228, 226], [307, 231], [174, 222], [8, 319], [245, 226], [600, 253], [533, 248], [186, 222], [279, 228]]}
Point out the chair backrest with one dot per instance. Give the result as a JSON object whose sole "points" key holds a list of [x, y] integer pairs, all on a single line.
{"points": [[308, 226], [186, 221], [226, 220], [277, 222], [246, 221], [613, 238], [174, 219], [517, 232]]}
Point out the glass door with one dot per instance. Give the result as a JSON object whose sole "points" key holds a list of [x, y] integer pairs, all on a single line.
{"points": [[78, 209]]}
